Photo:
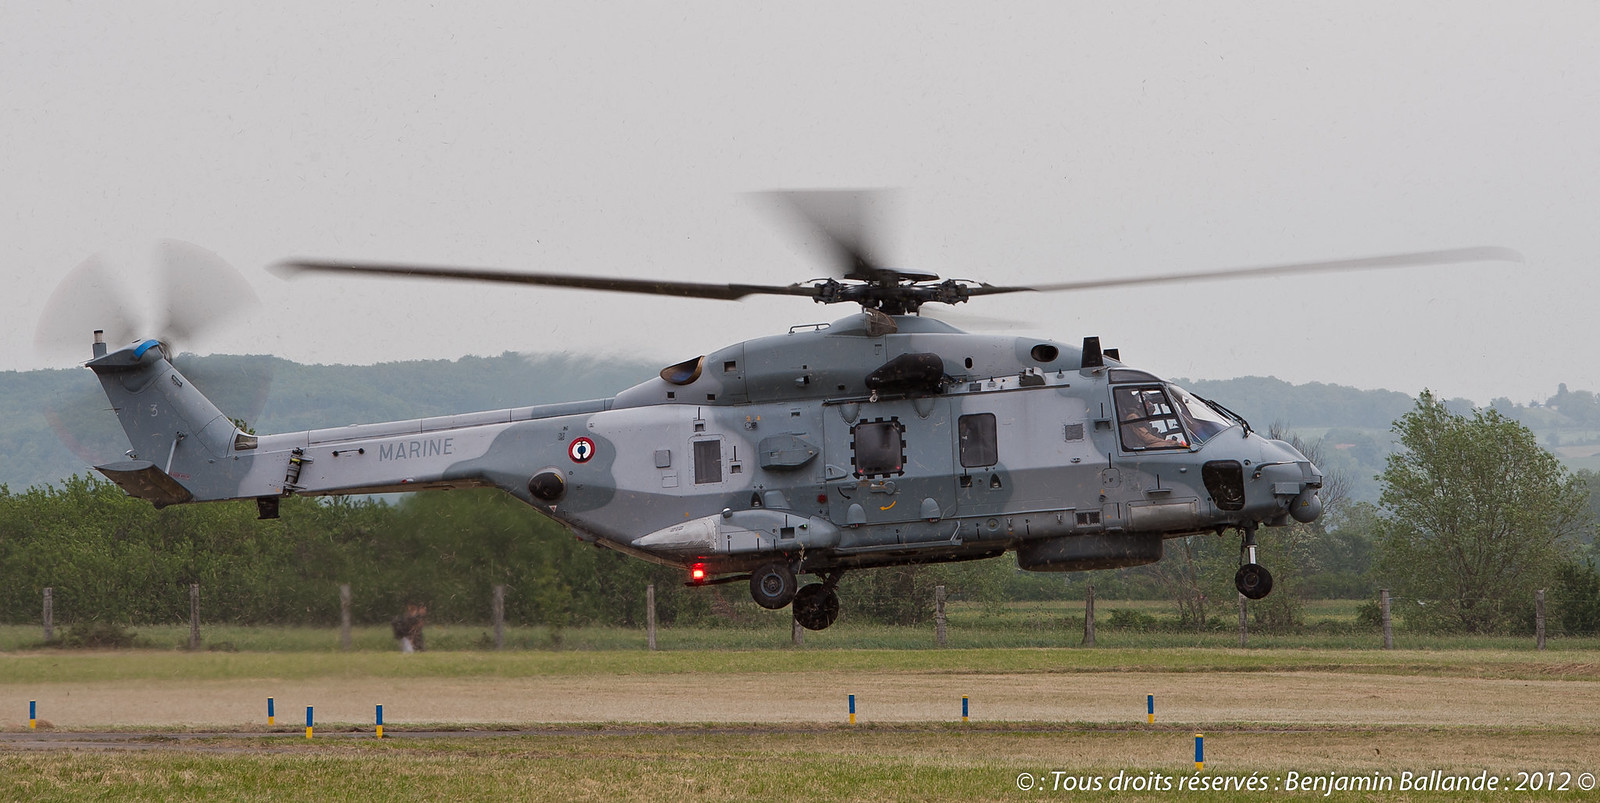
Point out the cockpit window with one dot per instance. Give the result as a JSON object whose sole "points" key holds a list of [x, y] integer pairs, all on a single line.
{"points": [[1148, 420], [1202, 421]]}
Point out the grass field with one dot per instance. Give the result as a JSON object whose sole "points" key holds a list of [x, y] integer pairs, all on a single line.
{"points": [[740, 713], [1330, 624], [839, 763], [720, 725]]}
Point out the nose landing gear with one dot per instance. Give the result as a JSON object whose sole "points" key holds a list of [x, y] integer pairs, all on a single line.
{"points": [[1253, 580], [772, 586]]}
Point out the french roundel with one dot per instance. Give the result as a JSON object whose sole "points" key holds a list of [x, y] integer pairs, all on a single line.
{"points": [[580, 450]]}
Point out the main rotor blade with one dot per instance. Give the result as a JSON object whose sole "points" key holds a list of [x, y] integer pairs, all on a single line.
{"points": [[1447, 257], [843, 220], [654, 287]]}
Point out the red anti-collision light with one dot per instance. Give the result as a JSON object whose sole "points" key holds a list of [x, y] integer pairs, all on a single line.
{"points": [[697, 573]]}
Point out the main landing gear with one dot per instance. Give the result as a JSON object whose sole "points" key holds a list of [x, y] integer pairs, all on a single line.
{"points": [[1253, 580], [816, 606]]}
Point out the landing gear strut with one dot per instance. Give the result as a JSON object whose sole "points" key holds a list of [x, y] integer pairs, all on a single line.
{"points": [[817, 604], [1253, 580]]}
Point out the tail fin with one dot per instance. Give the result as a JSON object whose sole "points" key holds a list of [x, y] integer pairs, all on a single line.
{"points": [[174, 429]]}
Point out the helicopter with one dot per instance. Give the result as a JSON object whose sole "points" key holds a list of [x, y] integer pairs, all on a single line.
{"points": [[882, 438]]}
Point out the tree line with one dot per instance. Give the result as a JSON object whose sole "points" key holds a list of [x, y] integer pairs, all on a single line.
{"points": [[109, 557]]}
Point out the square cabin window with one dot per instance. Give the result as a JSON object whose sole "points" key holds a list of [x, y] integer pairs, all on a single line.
{"points": [[707, 462], [978, 443], [880, 448]]}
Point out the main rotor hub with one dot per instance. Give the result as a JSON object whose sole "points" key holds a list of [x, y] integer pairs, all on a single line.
{"points": [[893, 292]]}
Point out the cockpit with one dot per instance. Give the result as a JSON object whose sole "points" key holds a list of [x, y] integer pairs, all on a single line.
{"points": [[1165, 416]]}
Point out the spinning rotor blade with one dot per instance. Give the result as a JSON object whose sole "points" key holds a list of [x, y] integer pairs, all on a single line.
{"points": [[188, 292], [656, 287], [199, 291], [845, 222], [88, 298], [195, 291], [1452, 256]]}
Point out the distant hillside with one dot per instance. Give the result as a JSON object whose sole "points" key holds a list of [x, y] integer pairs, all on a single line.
{"points": [[1353, 424]]}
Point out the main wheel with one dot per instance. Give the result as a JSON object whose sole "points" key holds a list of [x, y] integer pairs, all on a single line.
{"points": [[816, 606], [772, 586], [1253, 580]]}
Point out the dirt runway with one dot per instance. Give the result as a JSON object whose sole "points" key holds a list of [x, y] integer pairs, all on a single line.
{"points": [[1289, 698]]}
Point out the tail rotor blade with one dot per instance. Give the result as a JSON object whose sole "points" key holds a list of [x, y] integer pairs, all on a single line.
{"points": [[199, 291], [87, 298]]}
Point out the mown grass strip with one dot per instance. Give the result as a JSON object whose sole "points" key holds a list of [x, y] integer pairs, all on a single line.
{"points": [[835, 764], [52, 666]]}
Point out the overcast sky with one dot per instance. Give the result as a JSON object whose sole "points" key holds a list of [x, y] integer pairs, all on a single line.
{"points": [[1034, 143]]}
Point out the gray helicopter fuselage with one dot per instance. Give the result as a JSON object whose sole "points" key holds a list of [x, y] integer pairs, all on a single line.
{"points": [[833, 446]]}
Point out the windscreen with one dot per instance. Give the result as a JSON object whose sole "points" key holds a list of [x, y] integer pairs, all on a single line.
{"points": [[1198, 417]]}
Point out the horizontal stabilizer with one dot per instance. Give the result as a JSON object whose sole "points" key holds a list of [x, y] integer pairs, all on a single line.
{"points": [[141, 478]]}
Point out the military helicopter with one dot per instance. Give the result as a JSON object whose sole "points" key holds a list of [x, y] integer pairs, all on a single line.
{"points": [[882, 438]]}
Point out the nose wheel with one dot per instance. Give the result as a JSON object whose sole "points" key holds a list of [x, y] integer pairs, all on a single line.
{"points": [[1253, 580], [772, 586]]}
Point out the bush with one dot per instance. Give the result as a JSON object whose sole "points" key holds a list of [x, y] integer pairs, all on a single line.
{"points": [[1370, 615], [1135, 621], [97, 636]]}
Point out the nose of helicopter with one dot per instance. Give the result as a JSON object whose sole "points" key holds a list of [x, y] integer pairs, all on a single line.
{"points": [[1293, 480]]}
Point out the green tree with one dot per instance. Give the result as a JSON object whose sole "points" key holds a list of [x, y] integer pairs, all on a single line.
{"points": [[1577, 598], [1475, 518]]}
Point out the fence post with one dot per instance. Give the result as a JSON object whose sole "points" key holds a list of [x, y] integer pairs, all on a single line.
{"points": [[194, 616], [344, 616], [1088, 618], [1538, 618], [1383, 607], [938, 616], [1243, 628], [497, 611], [650, 613], [49, 614]]}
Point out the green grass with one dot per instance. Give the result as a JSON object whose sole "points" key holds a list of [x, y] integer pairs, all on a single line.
{"points": [[1330, 625], [823, 764], [695, 762], [124, 665]]}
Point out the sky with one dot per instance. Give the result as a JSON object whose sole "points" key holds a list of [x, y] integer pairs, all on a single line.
{"points": [[1029, 143]]}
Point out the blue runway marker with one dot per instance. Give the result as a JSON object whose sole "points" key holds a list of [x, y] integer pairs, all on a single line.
{"points": [[1150, 705], [308, 722], [270, 712], [1199, 752], [380, 721], [852, 709]]}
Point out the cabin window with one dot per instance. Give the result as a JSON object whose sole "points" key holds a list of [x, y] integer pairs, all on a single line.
{"points": [[1147, 420], [977, 438], [707, 461], [879, 448]]}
